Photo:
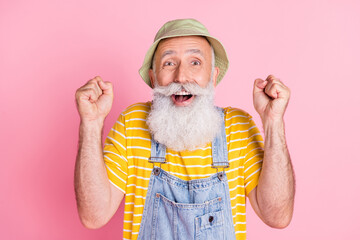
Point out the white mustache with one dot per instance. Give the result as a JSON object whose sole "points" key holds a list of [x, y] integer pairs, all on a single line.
{"points": [[183, 128], [173, 88]]}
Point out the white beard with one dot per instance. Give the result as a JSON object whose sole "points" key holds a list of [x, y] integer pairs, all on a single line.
{"points": [[184, 128]]}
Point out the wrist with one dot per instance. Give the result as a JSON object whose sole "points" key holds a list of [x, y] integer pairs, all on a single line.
{"points": [[96, 124], [272, 122], [272, 125], [274, 131]]}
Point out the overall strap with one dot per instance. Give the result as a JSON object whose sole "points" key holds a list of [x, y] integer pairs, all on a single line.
{"points": [[219, 147], [158, 151]]}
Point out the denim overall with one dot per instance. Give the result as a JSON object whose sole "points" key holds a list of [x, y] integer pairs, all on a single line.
{"points": [[184, 210]]}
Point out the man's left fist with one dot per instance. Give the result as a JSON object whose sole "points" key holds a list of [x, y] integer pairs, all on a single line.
{"points": [[270, 98]]}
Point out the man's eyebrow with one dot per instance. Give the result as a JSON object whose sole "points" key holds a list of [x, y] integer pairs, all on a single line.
{"points": [[197, 51], [168, 52]]}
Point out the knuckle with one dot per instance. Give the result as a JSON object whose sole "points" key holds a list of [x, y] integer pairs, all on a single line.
{"points": [[92, 81], [79, 92], [97, 78], [272, 79], [93, 85], [92, 90], [276, 85]]}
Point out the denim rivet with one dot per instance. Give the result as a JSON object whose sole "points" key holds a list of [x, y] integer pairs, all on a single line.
{"points": [[211, 218], [219, 199], [157, 195], [157, 171], [220, 176]]}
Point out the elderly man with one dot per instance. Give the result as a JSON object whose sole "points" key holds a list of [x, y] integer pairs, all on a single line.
{"points": [[184, 165]]}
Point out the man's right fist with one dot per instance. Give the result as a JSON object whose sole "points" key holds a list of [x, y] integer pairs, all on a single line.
{"points": [[94, 100]]}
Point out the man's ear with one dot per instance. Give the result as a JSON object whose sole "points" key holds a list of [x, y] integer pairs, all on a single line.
{"points": [[215, 76], [152, 77]]}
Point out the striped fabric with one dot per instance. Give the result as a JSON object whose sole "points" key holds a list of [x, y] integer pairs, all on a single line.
{"points": [[127, 150]]}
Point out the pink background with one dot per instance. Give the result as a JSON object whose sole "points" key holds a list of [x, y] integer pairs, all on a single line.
{"points": [[48, 49]]}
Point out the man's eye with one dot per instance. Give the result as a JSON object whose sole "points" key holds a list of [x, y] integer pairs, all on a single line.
{"points": [[168, 64], [195, 62]]}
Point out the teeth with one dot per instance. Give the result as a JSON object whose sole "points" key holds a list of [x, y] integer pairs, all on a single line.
{"points": [[182, 92]]}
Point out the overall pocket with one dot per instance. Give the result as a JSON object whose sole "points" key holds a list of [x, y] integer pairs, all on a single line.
{"points": [[210, 226], [186, 221]]}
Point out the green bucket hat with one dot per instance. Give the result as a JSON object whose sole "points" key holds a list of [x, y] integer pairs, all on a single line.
{"points": [[185, 27]]}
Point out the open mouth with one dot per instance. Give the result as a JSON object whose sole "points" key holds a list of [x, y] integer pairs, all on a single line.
{"points": [[182, 97]]}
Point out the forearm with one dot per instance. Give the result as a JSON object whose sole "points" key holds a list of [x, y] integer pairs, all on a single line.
{"points": [[276, 187], [91, 182]]}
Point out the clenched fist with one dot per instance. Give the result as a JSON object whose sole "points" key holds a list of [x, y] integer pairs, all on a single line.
{"points": [[270, 98], [94, 100]]}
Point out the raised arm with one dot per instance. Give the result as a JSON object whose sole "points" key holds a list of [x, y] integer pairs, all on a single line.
{"points": [[97, 199], [273, 198]]}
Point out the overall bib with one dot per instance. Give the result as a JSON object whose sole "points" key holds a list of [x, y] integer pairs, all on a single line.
{"points": [[184, 210]]}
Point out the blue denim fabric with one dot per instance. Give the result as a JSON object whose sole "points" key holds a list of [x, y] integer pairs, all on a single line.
{"points": [[183, 210]]}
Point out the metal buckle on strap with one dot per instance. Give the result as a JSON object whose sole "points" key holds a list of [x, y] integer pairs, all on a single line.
{"points": [[153, 161], [221, 174]]}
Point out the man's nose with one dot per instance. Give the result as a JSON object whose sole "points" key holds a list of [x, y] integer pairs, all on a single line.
{"points": [[181, 74]]}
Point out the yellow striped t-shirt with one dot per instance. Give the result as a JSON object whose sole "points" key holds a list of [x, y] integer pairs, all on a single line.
{"points": [[127, 149]]}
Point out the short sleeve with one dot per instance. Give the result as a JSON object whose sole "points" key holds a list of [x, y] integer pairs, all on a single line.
{"points": [[254, 155], [115, 155]]}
